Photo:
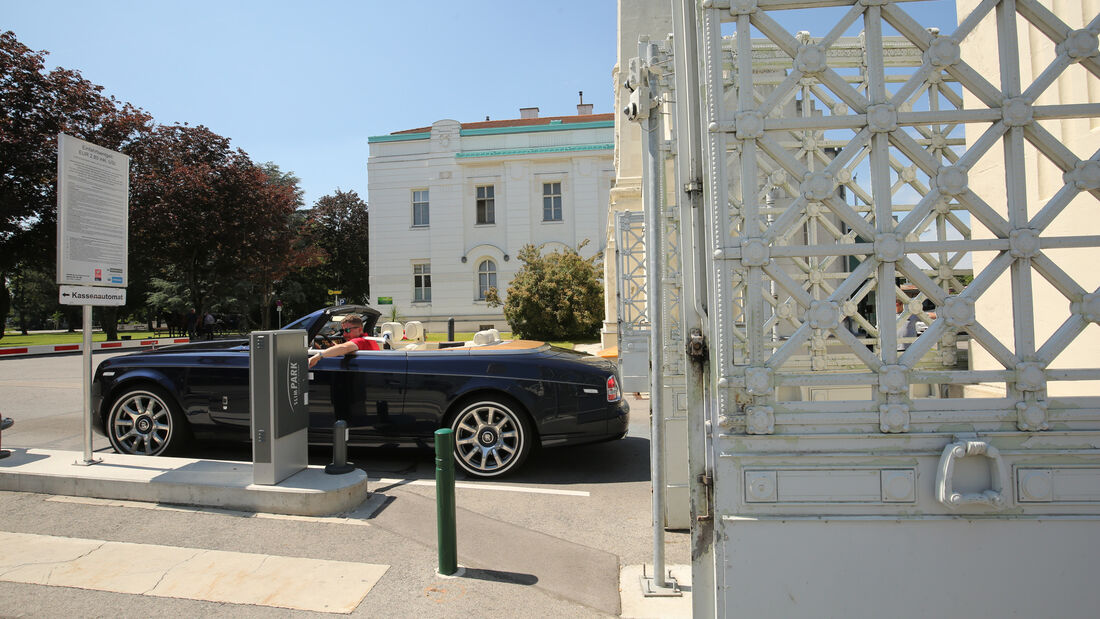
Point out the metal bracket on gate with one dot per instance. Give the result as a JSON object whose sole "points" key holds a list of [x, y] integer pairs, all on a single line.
{"points": [[650, 590], [998, 475], [697, 345], [708, 484]]}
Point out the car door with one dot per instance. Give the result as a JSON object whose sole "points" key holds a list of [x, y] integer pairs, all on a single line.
{"points": [[366, 389], [433, 379], [217, 385]]}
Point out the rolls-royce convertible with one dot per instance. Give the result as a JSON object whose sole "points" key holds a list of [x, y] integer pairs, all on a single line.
{"points": [[501, 398]]}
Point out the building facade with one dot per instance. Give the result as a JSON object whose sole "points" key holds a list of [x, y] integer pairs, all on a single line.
{"points": [[452, 204]]}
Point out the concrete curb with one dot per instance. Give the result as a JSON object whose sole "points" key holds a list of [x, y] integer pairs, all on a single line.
{"points": [[181, 481], [49, 349]]}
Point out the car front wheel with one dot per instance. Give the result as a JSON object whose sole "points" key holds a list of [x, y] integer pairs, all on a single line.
{"points": [[492, 437], [144, 421]]}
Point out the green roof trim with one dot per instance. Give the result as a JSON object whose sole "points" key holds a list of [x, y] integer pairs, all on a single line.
{"points": [[399, 137], [533, 151], [554, 126]]}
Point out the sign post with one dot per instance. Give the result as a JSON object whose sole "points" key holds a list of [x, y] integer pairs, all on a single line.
{"points": [[93, 186]]}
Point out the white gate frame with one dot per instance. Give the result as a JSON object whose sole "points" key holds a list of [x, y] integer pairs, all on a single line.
{"points": [[856, 507]]}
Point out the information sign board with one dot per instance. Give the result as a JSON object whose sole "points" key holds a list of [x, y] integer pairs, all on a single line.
{"points": [[93, 186]]}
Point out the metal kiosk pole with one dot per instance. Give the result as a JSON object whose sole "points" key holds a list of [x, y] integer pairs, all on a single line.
{"points": [[86, 352]]}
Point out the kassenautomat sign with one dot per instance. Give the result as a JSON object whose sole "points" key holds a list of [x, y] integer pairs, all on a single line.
{"points": [[93, 185]]}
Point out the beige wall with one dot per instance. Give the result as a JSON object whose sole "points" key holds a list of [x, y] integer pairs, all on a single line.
{"points": [[1043, 180]]}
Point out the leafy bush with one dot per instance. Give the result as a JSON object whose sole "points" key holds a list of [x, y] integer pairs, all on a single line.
{"points": [[558, 296]]}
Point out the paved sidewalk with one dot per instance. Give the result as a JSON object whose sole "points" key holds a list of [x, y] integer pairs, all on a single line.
{"points": [[491, 550], [204, 562], [190, 573]]}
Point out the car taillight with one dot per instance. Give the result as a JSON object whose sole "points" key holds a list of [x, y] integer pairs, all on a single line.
{"points": [[613, 394]]}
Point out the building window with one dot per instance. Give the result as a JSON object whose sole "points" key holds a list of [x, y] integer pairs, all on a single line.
{"points": [[551, 201], [420, 207], [486, 278], [486, 205], [422, 282]]}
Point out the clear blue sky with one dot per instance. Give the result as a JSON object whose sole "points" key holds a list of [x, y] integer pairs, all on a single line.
{"points": [[305, 84]]}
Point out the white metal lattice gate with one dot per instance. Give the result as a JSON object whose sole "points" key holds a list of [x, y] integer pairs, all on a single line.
{"points": [[847, 462], [633, 328]]}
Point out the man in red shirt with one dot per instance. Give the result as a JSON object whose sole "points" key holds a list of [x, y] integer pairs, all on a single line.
{"points": [[354, 340]]}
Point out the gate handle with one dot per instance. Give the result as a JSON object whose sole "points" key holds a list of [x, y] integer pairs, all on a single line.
{"points": [[993, 497]]}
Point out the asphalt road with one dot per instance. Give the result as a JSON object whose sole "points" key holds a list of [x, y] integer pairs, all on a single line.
{"points": [[565, 505]]}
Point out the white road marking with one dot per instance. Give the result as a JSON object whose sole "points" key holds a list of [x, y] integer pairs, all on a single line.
{"points": [[388, 481], [188, 573]]}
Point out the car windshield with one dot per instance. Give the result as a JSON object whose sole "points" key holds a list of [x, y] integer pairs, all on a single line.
{"points": [[333, 326], [329, 320], [301, 323]]}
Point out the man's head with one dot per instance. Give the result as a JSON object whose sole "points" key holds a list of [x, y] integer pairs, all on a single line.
{"points": [[352, 325]]}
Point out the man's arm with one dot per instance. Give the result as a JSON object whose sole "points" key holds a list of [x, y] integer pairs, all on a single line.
{"points": [[338, 350]]}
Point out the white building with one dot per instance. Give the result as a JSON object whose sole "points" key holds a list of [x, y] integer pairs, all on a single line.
{"points": [[452, 204]]}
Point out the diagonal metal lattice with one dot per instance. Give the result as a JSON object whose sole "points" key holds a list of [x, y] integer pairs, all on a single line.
{"points": [[793, 272], [630, 263], [871, 215]]}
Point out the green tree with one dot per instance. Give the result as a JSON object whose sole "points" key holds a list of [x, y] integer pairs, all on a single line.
{"points": [[556, 296], [337, 225], [36, 105], [277, 252], [213, 217], [33, 297], [285, 179]]}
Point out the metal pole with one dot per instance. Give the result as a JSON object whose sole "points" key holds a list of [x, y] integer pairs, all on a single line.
{"points": [[651, 205], [339, 464], [87, 385], [446, 537], [690, 179], [450, 329]]}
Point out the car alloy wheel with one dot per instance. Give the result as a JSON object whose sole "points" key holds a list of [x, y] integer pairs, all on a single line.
{"points": [[490, 438], [141, 423]]}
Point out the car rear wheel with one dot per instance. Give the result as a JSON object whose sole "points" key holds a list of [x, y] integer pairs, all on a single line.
{"points": [[492, 437], [144, 421]]}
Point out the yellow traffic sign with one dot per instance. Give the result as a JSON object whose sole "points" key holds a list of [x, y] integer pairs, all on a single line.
{"points": [[336, 292]]}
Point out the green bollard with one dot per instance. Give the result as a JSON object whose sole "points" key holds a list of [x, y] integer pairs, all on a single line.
{"points": [[445, 501]]}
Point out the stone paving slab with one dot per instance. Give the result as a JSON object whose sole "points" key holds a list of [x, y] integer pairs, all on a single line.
{"points": [[191, 573]]}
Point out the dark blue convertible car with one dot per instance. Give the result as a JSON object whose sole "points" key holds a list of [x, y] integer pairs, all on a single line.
{"points": [[500, 398]]}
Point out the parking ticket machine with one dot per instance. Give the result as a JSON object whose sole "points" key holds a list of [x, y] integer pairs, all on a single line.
{"points": [[278, 383]]}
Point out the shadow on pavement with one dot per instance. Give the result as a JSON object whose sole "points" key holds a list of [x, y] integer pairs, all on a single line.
{"points": [[616, 461], [622, 460], [514, 578]]}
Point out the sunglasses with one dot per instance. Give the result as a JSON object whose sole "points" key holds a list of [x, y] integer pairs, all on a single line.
{"points": [[349, 329]]}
